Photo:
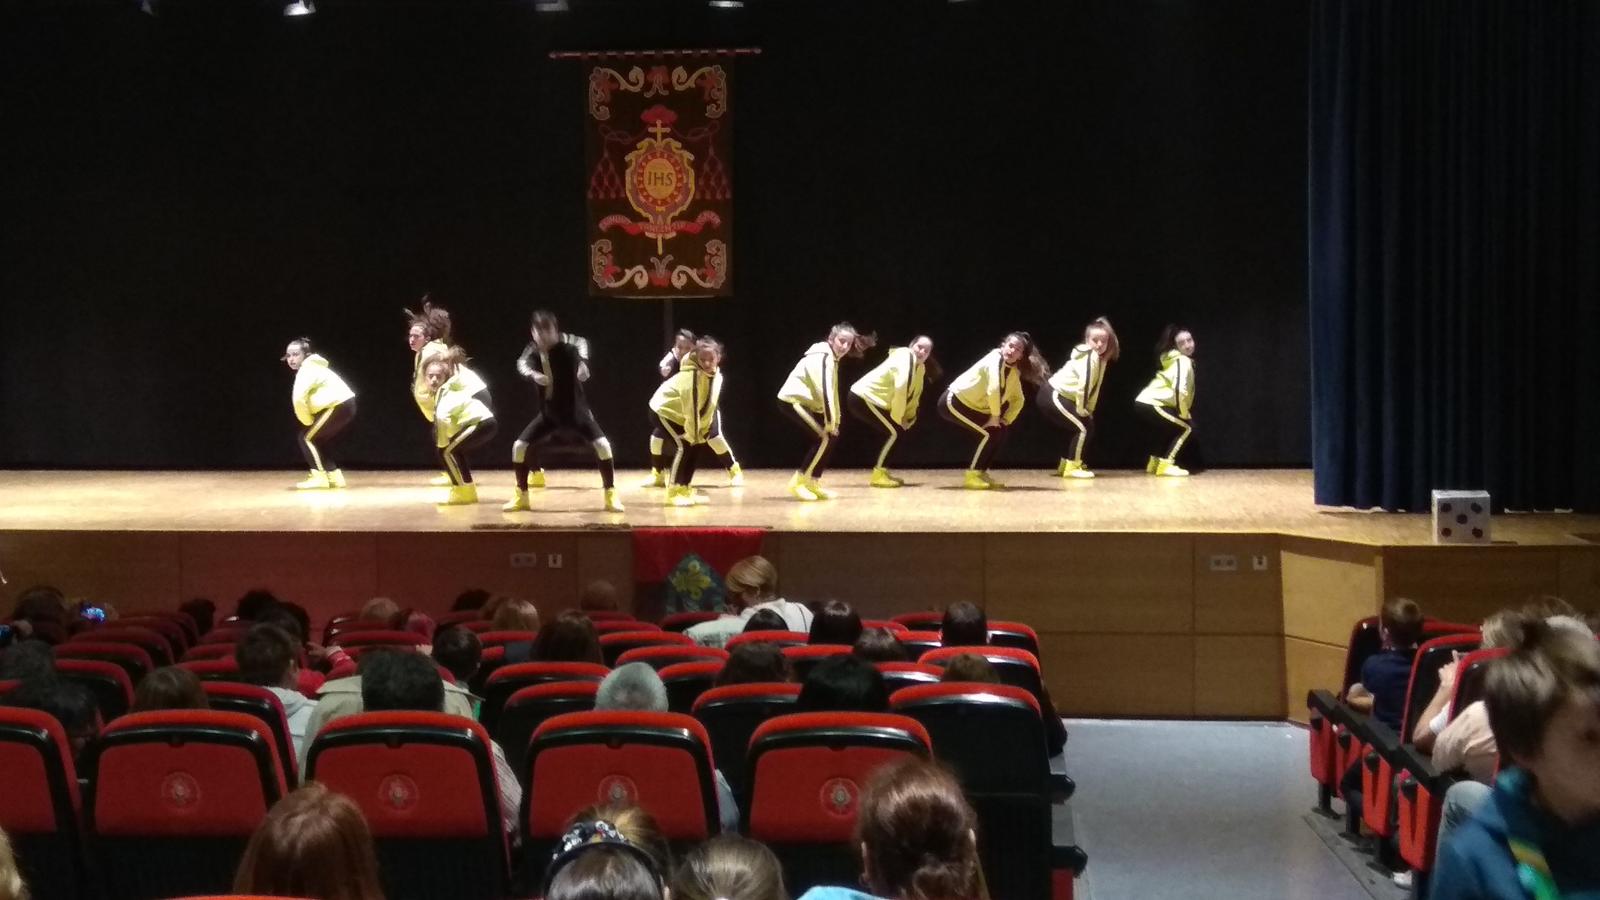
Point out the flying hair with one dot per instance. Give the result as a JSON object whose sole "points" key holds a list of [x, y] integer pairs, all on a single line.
{"points": [[1033, 368], [544, 318], [434, 320], [862, 342], [1169, 339], [930, 366]]}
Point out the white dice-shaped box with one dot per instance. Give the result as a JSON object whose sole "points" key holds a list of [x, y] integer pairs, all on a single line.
{"points": [[1461, 517]]}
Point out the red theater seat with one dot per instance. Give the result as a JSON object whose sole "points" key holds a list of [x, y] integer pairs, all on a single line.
{"points": [[926, 620], [336, 633], [686, 681], [1015, 667], [897, 675], [363, 639], [225, 669], [265, 707], [224, 634], [494, 638], [667, 654], [918, 642], [614, 644], [1014, 634], [458, 618], [660, 762], [806, 775], [478, 626], [153, 643], [507, 680], [132, 658], [529, 707], [607, 615], [177, 794], [731, 714], [887, 624], [803, 659], [39, 807], [685, 620], [613, 626], [169, 628], [209, 651], [781, 638], [426, 784], [109, 682]]}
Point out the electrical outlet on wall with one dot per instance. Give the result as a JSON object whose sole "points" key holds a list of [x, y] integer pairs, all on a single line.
{"points": [[524, 560], [552, 560], [1224, 562], [1260, 563]]}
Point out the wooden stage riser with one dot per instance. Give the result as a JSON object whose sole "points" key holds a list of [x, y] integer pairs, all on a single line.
{"points": [[1130, 623]]}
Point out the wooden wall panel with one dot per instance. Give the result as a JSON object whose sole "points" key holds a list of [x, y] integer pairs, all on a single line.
{"points": [[1308, 666], [132, 570], [1238, 676], [1580, 577], [1244, 601], [1466, 584], [1101, 582], [882, 574], [1120, 674], [606, 556], [327, 573], [1326, 587], [429, 570]]}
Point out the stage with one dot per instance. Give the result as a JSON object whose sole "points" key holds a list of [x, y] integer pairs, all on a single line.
{"points": [[1225, 594]]}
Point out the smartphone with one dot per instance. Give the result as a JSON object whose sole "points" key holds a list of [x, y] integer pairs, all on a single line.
{"points": [[6, 634], [93, 614]]}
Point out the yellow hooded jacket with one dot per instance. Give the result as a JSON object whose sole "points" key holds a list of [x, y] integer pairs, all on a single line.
{"points": [[316, 388], [991, 385], [814, 384], [426, 401], [457, 407], [1173, 386], [689, 398], [894, 385], [1079, 380]]}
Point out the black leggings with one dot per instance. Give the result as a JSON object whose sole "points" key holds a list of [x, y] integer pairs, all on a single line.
{"points": [[324, 429], [1168, 432], [1062, 412], [544, 426], [453, 455], [685, 454], [821, 446], [990, 440], [876, 417], [659, 460]]}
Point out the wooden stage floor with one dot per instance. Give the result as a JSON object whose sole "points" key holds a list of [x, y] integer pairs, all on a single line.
{"points": [[1219, 501]]}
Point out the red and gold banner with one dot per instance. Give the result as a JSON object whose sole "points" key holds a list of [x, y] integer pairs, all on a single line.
{"points": [[659, 142]]}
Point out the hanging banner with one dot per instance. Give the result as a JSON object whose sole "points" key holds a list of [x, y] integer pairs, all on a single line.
{"points": [[659, 148]]}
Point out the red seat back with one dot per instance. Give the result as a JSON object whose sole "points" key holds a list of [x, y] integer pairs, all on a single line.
{"points": [[529, 707], [225, 669], [919, 642], [151, 640], [170, 629], [1469, 678], [686, 681], [224, 634], [379, 638], [887, 624], [606, 615], [337, 633], [661, 656], [133, 659], [458, 618], [612, 626], [731, 714], [107, 681], [209, 651], [492, 638], [685, 620], [1014, 634], [507, 680], [897, 675], [262, 705], [781, 638], [39, 808], [803, 659], [1015, 667], [926, 620], [478, 626], [616, 643]]}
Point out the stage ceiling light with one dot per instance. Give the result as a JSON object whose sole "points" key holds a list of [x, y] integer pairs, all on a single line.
{"points": [[727, 4], [289, 8]]}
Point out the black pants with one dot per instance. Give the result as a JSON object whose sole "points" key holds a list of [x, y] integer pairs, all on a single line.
{"points": [[659, 432], [1168, 432], [877, 418], [821, 446], [990, 440], [1061, 412], [325, 428], [453, 455], [685, 457], [544, 426]]}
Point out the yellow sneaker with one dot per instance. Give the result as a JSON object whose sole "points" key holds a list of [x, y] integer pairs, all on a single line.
{"points": [[317, 482], [336, 478], [518, 502], [440, 480], [995, 485], [735, 476], [536, 478], [1150, 466], [1170, 469], [612, 504], [460, 495], [882, 479], [800, 488], [973, 480], [679, 496], [817, 489], [1061, 468], [657, 479], [1071, 468]]}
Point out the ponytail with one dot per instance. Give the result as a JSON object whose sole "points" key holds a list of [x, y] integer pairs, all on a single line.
{"points": [[1033, 368]]}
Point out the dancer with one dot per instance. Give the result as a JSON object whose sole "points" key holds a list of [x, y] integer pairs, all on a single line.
{"points": [[686, 409], [987, 398], [557, 364], [428, 334], [1168, 398], [462, 422], [683, 343], [888, 396], [1073, 392], [325, 405], [812, 391]]}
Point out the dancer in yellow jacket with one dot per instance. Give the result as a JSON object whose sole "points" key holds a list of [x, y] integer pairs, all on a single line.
{"points": [[986, 399], [462, 421], [428, 334], [1168, 399], [683, 345], [1072, 393], [686, 407], [888, 397], [810, 397], [324, 404]]}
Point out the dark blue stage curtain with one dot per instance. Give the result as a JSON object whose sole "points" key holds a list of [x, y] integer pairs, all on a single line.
{"points": [[1454, 248]]}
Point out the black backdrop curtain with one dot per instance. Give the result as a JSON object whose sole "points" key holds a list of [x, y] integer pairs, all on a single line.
{"points": [[1454, 235]]}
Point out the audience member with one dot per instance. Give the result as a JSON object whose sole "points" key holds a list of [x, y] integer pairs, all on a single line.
{"points": [[379, 610], [85, 614], [729, 867], [314, 844], [598, 596], [421, 624], [516, 615], [169, 687], [341, 697], [636, 687], [965, 625], [201, 611], [918, 838], [270, 657], [633, 823], [752, 585], [971, 667], [410, 681], [254, 603], [843, 684], [470, 599], [11, 886], [764, 620], [593, 861], [27, 661], [880, 645], [570, 638], [753, 663], [1536, 836], [41, 612], [459, 651], [68, 703], [1502, 629], [836, 623], [493, 604], [1385, 676]]}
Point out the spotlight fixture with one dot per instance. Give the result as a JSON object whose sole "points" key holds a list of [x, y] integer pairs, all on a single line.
{"points": [[300, 8], [727, 4], [551, 6]]}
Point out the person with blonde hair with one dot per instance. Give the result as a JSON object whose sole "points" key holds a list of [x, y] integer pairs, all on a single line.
{"points": [[729, 867], [1069, 398], [313, 844], [752, 585], [11, 886]]}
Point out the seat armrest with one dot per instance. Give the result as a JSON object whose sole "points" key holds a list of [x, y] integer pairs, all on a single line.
{"points": [[1322, 702], [1071, 858], [1062, 787]]}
